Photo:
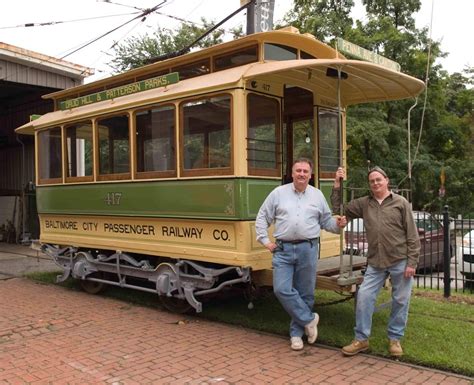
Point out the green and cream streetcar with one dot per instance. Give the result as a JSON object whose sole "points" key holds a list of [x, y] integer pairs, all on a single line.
{"points": [[152, 179]]}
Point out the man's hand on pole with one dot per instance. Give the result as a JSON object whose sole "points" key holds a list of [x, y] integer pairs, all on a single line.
{"points": [[340, 175]]}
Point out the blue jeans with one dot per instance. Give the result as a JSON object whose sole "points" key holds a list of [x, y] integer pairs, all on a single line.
{"points": [[366, 297], [294, 281]]}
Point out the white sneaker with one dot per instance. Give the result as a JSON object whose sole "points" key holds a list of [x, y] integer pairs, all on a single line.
{"points": [[296, 343], [311, 329]]}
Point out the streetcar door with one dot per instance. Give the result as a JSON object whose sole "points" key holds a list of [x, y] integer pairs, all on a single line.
{"points": [[298, 129]]}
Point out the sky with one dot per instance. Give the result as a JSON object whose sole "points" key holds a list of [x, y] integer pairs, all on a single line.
{"points": [[61, 26]]}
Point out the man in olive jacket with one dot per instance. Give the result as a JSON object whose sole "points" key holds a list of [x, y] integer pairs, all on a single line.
{"points": [[393, 249]]}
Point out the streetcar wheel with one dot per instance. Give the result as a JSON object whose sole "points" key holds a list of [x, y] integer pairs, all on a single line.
{"points": [[92, 287], [175, 305]]}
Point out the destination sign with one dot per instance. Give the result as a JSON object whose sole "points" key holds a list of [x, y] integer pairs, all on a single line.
{"points": [[364, 54], [127, 89]]}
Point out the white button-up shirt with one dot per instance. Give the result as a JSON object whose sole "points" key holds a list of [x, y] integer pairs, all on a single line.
{"points": [[296, 215]]}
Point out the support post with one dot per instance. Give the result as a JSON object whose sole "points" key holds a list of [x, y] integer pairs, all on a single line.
{"points": [[446, 253], [251, 17]]}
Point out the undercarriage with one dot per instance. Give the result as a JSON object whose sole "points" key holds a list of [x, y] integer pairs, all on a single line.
{"points": [[177, 282]]}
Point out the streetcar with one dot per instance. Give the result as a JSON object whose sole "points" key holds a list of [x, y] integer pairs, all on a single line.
{"points": [[152, 179]]}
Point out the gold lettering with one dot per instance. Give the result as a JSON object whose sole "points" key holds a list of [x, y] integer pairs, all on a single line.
{"points": [[71, 103]]}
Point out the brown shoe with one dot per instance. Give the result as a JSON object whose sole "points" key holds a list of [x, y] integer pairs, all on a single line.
{"points": [[395, 349], [355, 347]]}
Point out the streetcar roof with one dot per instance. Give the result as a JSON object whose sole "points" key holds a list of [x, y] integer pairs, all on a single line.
{"points": [[365, 82], [288, 36]]}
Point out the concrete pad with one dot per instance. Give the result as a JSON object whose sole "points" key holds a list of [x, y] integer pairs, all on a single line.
{"points": [[18, 260]]}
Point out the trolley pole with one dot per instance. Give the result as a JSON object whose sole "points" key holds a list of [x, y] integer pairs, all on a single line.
{"points": [[345, 278]]}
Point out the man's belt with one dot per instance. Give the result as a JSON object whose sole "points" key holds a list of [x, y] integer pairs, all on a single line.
{"points": [[296, 241]]}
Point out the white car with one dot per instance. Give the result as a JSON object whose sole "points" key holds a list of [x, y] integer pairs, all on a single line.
{"points": [[466, 256]]}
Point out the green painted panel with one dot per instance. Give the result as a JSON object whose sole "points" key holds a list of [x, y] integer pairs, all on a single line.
{"points": [[257, 191], [326, 188], [127, 89], [233, 199]]}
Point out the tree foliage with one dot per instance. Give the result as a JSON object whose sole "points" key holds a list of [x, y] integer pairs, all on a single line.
{"points": [[138, 50], [323, 19]]}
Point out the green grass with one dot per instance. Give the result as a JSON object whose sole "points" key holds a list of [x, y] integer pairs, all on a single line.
{"points": [[440, 332]]}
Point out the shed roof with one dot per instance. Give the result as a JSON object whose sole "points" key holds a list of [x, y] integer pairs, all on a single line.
{"points": [[25, 57]]}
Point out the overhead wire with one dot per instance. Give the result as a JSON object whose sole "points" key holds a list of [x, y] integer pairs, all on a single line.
{"points": [[189, 46], [196, 7], [50, 23], [115, 43], [142, 15]]}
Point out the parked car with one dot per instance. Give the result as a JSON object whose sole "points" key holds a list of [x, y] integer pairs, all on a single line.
{"points": [[466, 256], [355, 237], [431, 234]]}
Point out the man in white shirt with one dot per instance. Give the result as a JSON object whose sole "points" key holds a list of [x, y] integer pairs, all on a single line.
{"points": [[299, 211]]}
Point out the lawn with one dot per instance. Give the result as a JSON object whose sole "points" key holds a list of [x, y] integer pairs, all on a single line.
{"points": [[440, 332]]}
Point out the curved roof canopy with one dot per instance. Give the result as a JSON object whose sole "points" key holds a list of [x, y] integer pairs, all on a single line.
{"points": [[361, 82]]}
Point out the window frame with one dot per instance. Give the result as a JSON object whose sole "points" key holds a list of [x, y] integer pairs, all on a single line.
{"points": [[186, 68], [258, 171], [73, 179], [112, 176], [44, 181], [155, 174], [233, 53], [328, 174], [216, 171], [294, 51]]}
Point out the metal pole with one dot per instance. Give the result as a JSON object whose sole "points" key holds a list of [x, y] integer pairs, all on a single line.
{"points": [[251, 17], [341, 163], [409, 150], [446, 253], [22, 186]]}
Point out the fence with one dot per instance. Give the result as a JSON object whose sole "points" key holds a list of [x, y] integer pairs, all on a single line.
{"points": [[447, 250]]}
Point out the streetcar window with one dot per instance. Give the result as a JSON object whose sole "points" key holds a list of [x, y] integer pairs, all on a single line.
{"points": [[79, 150], [194, 69], [114, 146], [263, 136], [279, 52], [305, 55], [50, 158], [155, 140], [206, 138], [328, 143], [236, 58]]}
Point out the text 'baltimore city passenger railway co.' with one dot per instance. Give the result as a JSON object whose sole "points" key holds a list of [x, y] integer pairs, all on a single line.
{"points": [[140, 229]]}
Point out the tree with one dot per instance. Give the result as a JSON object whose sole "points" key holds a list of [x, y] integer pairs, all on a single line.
{"points": [[139, 50], [324, 19]]}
